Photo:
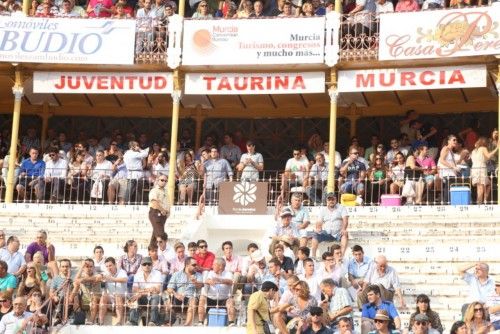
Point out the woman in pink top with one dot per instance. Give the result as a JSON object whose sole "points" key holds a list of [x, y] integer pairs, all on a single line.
{"points": [[427, 169], [407, 6], [100, 8]]}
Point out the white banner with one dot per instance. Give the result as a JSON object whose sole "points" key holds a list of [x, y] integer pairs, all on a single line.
{"points": [[254, 83], [102, 83], [412, 78], [254, 42], [66, 40], [440, 33]]}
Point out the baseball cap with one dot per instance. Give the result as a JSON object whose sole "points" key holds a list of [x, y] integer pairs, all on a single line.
{"points": [[286, 212]]}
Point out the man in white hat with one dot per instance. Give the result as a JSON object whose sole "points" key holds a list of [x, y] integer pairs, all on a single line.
{"points": [[256, 272], [285, 228]]}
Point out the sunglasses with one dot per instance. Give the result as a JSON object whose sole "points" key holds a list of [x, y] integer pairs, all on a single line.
{"points": [[423, 323], [202, 246], [3, 300], [478, 309], [316, 314], [146, 264], [378, 321]]}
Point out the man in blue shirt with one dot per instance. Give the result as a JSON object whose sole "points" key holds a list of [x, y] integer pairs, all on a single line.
{"points": [[31, 170], [369, 310], [216, 171]]}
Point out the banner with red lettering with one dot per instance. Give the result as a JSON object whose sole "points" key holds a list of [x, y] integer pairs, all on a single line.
{"points": [[254, 42], [254, 83], [440, 33], [412, 78], [102, 83]]}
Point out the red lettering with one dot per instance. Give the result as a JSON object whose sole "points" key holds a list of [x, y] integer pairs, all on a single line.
{"points": [[75, 84], [457, 77], [282, 82], [160, 82], [240, 86], [392, 79], [61, 83], [116, 82], [102, 82], [209, 81], [131, 79], [427, 78], [299, 82], [256, 82], [88, 82], [145, 83], [224, 84], [407, 77], [367, 80]]}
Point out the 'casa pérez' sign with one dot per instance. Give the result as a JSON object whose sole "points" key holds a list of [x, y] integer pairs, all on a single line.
{"points": [[440, 33]]}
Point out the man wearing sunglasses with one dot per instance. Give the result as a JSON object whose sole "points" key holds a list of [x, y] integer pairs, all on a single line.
{"points": [[55, 174], [159, 207], [316, 323], [146, 292], [422, 325], [183, 290]]}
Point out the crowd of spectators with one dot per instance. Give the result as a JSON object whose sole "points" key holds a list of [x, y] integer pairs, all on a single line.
{"points": [[419, 165], [179, 284]]}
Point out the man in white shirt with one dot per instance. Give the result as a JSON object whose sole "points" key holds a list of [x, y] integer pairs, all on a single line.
{"points": [[19, 320], [164, 248], [115, 280], [386, 278], [331, 225], [133, 161], [233, 264], [54, 177], [251, 163], [14, 259], [217, 291], [384, 6], [311, 278], [146, 292], [296, 170]]}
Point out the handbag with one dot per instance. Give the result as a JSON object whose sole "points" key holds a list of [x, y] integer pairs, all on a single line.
{"points": [[267, 327]]}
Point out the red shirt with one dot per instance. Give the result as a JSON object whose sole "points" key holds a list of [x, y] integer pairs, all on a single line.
{"points": [[206, 261]]}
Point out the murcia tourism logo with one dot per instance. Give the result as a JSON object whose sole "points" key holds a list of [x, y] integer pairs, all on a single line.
{"points": [[244, 193], [202, 41]]}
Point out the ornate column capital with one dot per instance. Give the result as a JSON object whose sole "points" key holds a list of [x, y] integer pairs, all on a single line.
{"points": [[18, 92], [176, 96], [334, 94]]}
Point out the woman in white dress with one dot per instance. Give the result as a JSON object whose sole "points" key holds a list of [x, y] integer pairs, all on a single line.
{"points": [[479, 174]]}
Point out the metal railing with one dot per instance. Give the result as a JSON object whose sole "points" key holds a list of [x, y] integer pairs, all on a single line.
{"points": [[359, 37], [101, 188], [151, 40], [130, 304]]}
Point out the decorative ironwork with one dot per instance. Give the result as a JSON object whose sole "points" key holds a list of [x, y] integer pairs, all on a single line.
{"points": [[359, 37]]}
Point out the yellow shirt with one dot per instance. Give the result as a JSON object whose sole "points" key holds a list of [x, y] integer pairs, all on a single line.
{"points": [[259, 304]]}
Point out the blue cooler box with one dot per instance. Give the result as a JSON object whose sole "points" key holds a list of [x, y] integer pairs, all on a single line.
{"points": [[459, 195], [217, 317]]}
